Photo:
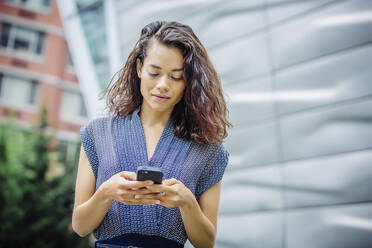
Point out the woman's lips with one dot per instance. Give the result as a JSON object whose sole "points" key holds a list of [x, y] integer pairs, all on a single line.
{"points": [[161, 98]]}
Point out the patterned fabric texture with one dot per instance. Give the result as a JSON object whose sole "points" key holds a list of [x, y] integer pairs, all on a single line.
{"points": [[117, 143]]}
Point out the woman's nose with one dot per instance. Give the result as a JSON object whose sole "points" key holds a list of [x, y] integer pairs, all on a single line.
{"points": [[163, 83]]}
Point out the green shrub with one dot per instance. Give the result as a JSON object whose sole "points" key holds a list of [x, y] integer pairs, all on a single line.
{"points": [[35, 211]]}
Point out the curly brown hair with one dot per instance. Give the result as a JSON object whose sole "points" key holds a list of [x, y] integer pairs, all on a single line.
{"points": [[201, 115]]}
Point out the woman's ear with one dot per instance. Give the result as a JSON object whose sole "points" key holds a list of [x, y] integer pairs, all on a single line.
{"points": [[138, 66]]}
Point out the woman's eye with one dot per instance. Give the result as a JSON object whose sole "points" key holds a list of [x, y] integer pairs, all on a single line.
{"points": [[177, 79], [153, 74]]}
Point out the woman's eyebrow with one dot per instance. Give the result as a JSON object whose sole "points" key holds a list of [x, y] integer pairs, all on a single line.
{"points": [[158, 67]]}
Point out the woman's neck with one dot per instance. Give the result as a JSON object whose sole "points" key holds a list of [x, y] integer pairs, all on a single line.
{"points": [[151, 118]]}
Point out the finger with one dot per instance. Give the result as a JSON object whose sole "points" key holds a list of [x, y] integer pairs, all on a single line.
{"points": [[125, 193], [165, 203], [142, 202], [128, 175], [126, 202], [148, 196], [170, 181], [141, 191], [159, 188], [149, 202], [141, 188], [138, 184]]}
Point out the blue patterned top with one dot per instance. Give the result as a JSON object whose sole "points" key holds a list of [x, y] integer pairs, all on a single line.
{"points": [[117, 143]]}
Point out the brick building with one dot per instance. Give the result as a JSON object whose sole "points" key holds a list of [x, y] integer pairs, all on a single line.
{"points": [[36, 70]]}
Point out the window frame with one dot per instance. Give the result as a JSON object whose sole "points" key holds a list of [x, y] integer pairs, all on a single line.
{"points": [[81, 118], [31, 53], [32, 94]]}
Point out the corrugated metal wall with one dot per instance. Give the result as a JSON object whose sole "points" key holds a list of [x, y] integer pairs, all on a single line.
{"points": [[298, 76]]}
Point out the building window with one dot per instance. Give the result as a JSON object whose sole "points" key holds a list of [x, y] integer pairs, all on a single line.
{"points": [[5, 31], [17, 92], [35, 5], [86, 3], [73, 107], [21, 39]]}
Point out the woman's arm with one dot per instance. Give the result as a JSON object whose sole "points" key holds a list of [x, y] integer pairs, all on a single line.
{"points": [[91, 207], [200, 219]]}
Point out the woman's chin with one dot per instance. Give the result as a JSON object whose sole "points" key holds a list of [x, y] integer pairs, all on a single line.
{"points": [[161, 107]]}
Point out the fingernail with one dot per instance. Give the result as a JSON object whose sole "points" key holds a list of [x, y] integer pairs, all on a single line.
{"points": [[137, 196], [157, 202]]}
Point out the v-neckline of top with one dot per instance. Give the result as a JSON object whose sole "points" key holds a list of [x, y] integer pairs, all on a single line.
{"points": [[143, 137]]}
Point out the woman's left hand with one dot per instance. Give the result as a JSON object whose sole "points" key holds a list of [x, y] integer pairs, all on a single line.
{"points": [[173, 193]]}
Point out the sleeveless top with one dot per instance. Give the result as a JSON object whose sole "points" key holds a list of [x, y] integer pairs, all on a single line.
{"points": [[117, 143]]}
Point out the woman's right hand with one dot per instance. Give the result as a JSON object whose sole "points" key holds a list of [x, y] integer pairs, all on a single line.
{"points": [[120, 188]]}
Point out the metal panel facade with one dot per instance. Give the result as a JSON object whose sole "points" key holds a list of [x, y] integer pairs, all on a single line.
{"points": [[298, 79]]}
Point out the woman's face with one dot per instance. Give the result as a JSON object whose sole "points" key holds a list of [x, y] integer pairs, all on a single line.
{"points": [[162, 82]]}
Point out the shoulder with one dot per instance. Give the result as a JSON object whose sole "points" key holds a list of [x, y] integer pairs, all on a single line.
{"points": [[98, 123], [221, 154], [216, 148], [101, 119], [101, 126], [208, 152]]}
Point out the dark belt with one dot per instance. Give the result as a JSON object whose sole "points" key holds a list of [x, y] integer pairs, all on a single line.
{"points": [[135, 240]]}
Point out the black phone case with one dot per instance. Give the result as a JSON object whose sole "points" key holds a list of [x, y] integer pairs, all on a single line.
{"points": [[149, 173]]}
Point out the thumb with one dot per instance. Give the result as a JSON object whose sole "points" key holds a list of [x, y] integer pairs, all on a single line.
{"points": [[128, 175], [170, 182]]}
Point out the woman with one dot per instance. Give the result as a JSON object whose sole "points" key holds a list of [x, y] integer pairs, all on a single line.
{"points": [[167, 110]]}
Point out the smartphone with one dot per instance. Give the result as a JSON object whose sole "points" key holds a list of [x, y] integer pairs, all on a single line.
{"points": [[149, 173]]}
